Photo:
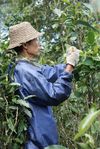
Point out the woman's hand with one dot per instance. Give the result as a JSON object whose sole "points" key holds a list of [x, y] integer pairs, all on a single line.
{"points": [[72, 56]]}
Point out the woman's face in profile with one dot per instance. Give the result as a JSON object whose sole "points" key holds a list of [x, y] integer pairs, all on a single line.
{"points": [[33, 47]]}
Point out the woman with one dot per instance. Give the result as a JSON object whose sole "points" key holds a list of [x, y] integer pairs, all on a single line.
{"points": [[50, 85]]}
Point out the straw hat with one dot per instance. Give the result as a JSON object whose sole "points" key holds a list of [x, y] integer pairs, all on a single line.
{"points": [[22, 33]]}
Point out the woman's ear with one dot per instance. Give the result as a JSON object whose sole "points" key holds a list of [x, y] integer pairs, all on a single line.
{"points": [[25, 46]]}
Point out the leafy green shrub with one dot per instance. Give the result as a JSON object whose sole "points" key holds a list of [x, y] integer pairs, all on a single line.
{"points": [[65, 23]]}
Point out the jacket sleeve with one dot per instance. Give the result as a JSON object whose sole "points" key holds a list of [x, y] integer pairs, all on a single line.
{"points": [[47, 93], [51, 73]]}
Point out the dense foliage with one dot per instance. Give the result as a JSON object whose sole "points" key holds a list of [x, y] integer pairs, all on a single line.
{"points": [[66, 22]]}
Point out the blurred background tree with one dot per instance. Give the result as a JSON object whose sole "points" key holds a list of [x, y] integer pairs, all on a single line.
{"points": [[64, 23]]}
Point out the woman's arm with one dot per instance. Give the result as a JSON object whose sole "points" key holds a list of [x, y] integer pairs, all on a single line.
{"points": [[51, 73]]}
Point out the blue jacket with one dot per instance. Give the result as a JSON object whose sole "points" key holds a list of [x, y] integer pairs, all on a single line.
{"points": [[51, 85]]}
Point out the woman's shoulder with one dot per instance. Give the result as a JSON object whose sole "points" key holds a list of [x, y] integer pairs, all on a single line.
{"points": [[27, 67]]}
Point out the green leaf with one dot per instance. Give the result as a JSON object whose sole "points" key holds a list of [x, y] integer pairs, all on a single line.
{"points": [[21, 127], [84, 145], [15, 84], [18, 140], [55, 147], [10, 124], [86, 24], [90, 37], [96, 127], [55, 25], [30, 96], [13, 107], [28, 113], [23, 103], [86, 122], [66, 1], [90, 139], [3, 77], [88, 61]]}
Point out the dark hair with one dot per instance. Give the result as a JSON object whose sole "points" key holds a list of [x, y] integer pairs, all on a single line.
{"points": [[18, 50]]}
